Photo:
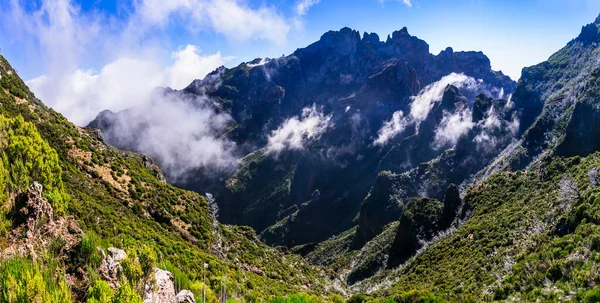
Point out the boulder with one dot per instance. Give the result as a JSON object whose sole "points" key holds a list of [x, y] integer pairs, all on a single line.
{"points": [[162, 290], [185, 296], [116, 254]]}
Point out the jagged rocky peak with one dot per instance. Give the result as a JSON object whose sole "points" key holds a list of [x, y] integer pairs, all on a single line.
{"points": [[590, 33], [372, 38], [344, 41]]}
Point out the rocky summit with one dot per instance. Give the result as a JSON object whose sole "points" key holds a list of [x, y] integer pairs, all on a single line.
{"points": [[355, 169]]}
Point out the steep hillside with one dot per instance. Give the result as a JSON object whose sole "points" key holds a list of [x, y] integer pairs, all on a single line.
{"points": [[66, 197]]}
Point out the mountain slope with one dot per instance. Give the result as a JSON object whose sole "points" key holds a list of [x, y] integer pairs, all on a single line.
{"points": [[82, 196]]}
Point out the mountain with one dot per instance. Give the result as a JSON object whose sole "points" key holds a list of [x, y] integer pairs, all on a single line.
{"points": [[83, 221], [524, 224], [314, 129], [385, 174]]}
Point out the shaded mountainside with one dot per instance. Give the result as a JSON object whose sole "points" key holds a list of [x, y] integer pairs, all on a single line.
{"points": [[309, 127], [66, 197]]}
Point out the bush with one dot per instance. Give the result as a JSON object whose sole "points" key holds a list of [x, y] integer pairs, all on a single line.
{"points": [[22, 281], [28, 158], [100, 292], [126, 294]]}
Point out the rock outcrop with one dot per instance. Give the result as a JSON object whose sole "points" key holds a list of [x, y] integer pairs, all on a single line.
{"points": [[36, 227], [110, 268], [162, 290]]}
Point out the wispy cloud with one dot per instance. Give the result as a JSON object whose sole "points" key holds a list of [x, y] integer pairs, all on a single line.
{"points": [[296, 132], [303, 6], [126, 82], [130, 61], [452, 127], [422, 104]]}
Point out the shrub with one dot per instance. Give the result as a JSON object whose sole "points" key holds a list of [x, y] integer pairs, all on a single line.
{"points": [[29, 158], [126, 294], [23, 281], [100, 292]]}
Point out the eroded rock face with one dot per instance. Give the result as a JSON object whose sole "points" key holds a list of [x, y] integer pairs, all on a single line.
{"points": [[162, 290], [36, 228], [359, 83]]}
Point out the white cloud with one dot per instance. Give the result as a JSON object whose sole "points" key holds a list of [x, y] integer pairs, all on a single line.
{"points": [[391, 128], [303, 6], [239, 22], [181, 133], [126, 82], [408, 3], [433, 93], [127, 58], [157, 12], [491, 129], [295, 132], [190, 65], [452, 127], [422, 103]]}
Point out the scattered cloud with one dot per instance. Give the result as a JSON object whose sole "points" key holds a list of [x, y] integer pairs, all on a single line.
{"points": [[94, 61], [232, 18], [408, 3], [303, 6], [295, 132], [493, 131], [391, 128], [422, 103], [239, 22], [452, 127]]}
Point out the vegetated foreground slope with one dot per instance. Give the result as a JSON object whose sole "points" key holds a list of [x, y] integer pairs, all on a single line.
{"points": [[66, 197]]}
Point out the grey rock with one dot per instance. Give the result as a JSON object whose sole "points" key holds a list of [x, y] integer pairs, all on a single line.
{"points": [[162, 290], [185, 296]]}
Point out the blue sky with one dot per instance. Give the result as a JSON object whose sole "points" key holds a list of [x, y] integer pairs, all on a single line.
{"points": [[83, 56]]}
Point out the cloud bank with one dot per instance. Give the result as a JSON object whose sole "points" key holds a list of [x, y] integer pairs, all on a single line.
{"points": [[296, 132], [182, 133], [93, 60], [126, 82]]}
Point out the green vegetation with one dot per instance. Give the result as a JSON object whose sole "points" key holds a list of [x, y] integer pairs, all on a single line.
{"points": [[119, 200], [23, 281], [26, 158]]}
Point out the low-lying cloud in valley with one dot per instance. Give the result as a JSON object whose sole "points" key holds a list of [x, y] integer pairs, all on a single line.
{"points": [[452, 127], [296, 132], [182, 133]]}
